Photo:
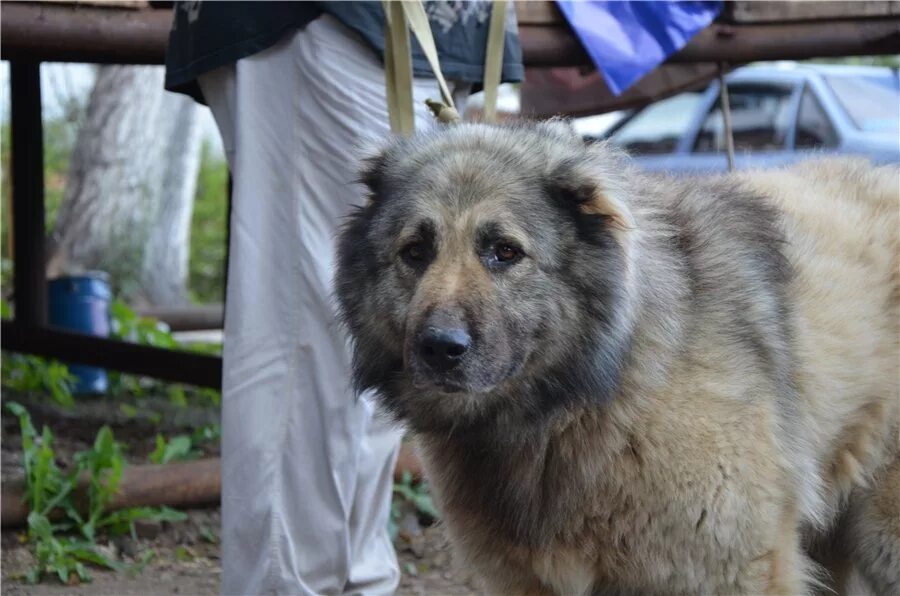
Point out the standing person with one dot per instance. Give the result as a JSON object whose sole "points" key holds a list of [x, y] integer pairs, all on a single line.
{"points": [[293, 87]]}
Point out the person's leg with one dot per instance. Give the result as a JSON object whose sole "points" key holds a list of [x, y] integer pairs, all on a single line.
{"points": [[285, 497], [344, 75], [306, 472]]}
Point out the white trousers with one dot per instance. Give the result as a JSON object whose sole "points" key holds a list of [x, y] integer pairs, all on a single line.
{"points": [[306, 468]]}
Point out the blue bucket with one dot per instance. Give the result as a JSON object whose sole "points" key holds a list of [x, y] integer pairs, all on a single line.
{"points": [[80, 303]]}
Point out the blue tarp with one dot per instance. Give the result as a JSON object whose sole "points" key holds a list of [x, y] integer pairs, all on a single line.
{"points": [[627, 39]]}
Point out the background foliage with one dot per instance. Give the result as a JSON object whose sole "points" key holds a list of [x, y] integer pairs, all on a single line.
{"points": [[208, 224]]}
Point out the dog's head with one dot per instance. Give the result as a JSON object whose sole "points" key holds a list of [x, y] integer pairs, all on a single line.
{"points": [[487, 267]]}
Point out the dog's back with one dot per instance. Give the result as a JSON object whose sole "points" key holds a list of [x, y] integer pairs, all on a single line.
{"points": [[841, 219]]}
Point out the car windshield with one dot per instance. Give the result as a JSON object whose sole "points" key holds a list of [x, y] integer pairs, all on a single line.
{"points": [[871, 100], [658, 127]]}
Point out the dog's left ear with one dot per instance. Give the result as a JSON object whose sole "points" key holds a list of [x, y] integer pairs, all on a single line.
{"points": [[601, 202], [577, 185]]}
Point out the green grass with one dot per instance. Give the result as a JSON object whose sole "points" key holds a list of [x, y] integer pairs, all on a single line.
{"points": [[62, 532], [206, 279]]}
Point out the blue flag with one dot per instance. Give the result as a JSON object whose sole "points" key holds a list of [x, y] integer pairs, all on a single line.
{"points": [[627, 39]]}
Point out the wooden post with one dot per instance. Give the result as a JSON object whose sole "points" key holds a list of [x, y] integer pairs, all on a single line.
{"points": [[28, 193], [726, 117]]}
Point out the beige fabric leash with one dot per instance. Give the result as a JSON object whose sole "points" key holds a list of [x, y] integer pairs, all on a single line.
{"points": [[418, 23], [398, 69], [398, 63], [493, 59]]}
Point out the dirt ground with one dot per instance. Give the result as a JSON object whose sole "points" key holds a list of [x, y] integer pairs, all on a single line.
{"points": [[187, 562], [186, 559]]}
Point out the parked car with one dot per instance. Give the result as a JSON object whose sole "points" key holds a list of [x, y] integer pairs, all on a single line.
{"points": [[780, 114]]}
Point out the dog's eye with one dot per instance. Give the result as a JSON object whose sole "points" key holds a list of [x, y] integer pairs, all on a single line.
{"points": [[506, 253], [414, 254]]}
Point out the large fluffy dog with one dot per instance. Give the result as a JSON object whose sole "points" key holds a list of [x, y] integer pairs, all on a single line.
{"points": [[623, 384]]}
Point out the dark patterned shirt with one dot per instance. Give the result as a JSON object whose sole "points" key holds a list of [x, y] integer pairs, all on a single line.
{"points": [[207, 35]]}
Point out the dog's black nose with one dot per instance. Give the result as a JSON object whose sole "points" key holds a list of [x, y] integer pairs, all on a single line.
{"points": [[442, 349]]}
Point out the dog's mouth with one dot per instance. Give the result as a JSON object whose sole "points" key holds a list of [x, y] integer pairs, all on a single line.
{"points": [[439, 383], [460, 382], [449, 387]]}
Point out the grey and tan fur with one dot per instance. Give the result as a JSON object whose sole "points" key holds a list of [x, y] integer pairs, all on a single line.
{"points": [[652, 385]]}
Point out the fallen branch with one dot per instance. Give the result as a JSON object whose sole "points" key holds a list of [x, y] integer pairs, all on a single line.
{"points": [[181, 485]]}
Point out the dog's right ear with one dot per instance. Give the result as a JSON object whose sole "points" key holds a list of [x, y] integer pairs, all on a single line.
{"points": [[371, 155], [371, 174]]}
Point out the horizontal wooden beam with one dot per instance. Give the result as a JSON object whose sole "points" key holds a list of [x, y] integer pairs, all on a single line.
{"points": [[547, 46], [188, 318], [53, 32], [66, 33], [792, 41], [177, 366], [183, 485], [754, 11]]}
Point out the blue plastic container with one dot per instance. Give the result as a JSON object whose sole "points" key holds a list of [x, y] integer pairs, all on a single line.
{"points": [[80, 303]]}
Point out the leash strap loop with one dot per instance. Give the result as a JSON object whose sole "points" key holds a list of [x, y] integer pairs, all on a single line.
{"points": [[400, 14]]}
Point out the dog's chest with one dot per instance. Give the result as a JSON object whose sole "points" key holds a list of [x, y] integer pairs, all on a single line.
{"points": [[579, 514], [565, 570]]}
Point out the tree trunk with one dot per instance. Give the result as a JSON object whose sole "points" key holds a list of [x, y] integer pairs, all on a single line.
{"points": [[130, 188], [164, 276]]}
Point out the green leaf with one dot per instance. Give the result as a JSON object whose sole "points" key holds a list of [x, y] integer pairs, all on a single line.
{"points": [[82, 572], [120, 522], [39, 526], [141, 563], [88, 552], [160, 450], [178, 448], [177, 396], [211, 432], [128, 410], [17, 409], [62, 571], [208, 535], [34, 575]]}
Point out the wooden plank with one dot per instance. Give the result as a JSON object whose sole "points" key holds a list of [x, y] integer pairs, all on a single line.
{"points": [[182, 484], [133, 4], [169, 365], [65, 33], [744, 12], [107, 36], [538, 13], [188, 318], [570, 91]]}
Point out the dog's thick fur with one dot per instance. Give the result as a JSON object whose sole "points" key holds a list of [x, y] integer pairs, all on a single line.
{"points": [[675, 386]]}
